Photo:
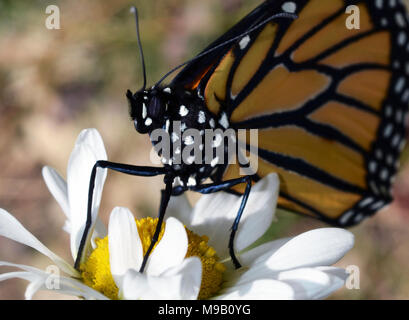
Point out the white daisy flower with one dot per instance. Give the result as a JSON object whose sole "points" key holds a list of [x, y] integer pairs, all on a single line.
{"points": [[112, 269], [167, 266], [188, 262], [113, 266]]}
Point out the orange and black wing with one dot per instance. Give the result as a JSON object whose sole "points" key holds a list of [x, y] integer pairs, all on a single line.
{"points": [[329, 102]]}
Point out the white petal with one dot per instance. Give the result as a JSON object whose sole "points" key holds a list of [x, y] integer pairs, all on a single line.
{"points": [[88, 149], [214, 215], [32, 288], [338, 277], [334, 271], [36, 282], [24, 267], [93, 139], [305, 283], [261, 289], [67, 227], [259, 263], [262, 252], [125, 247], [180, 208], [259, 212], [19, 274], [310, 283], [171, 249], [248, 275], [66, 285], [320, 247], [12, 229], [100, 231], [58, 188], [191, 270], [77, 288], [182, 282]]}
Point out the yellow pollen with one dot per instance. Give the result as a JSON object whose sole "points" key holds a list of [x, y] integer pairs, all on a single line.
{"points": [[146, 229], [212, 270], [96, 272]]}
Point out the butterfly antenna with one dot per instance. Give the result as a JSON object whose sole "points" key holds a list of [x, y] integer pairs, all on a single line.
{"points": [[257, 26], [135, 12]]}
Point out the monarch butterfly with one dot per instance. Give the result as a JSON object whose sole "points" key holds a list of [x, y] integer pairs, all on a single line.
{"points": [[330, 104]]}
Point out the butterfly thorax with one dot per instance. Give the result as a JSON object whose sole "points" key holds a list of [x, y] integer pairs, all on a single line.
{"points": [[190, 140]]}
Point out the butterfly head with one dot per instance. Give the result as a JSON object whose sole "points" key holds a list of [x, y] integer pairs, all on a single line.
{"points": [[147, 110]]}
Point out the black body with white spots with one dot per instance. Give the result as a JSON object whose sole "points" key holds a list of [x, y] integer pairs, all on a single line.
{"points": [[161, 108]]}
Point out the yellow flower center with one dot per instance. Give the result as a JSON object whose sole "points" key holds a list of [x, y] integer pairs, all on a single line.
{"points": [[96, 272]]}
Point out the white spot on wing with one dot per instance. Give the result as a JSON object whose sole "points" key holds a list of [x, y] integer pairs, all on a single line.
{"points": [[214, 161], [191, 182], [289, 7], [365, 202], [345, 218], [377, 205], [224, 121], [244, 42]]}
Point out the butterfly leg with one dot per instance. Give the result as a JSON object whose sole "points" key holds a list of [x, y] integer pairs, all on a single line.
{"points": [[226, 185], [119, 167], [165, 197]]}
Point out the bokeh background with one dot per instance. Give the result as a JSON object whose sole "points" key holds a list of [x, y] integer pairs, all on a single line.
{"points": [[54, 83]]}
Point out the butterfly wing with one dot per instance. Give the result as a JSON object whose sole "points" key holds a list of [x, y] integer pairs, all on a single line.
{"points": [[193, 73], [329, 102]]}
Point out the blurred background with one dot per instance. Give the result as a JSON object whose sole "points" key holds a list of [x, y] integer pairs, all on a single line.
{"points": [[54, 83]]}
